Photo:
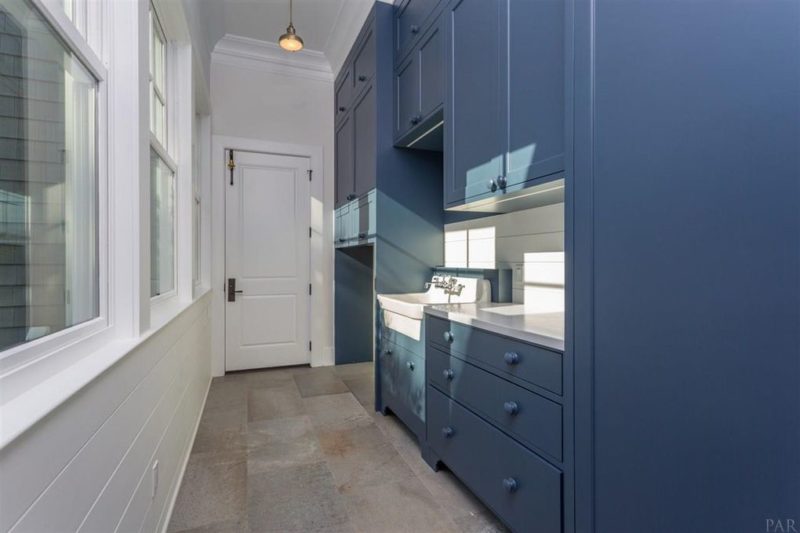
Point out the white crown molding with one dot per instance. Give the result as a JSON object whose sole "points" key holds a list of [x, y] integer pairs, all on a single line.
{"points": [[245, 52]]}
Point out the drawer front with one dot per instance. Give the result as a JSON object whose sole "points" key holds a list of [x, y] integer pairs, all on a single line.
{"points": [[508, 357], [410, 19], [521, 488], [533, 420], [403, 380]]}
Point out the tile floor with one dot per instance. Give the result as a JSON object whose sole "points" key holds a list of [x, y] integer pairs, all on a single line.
{"points": [[302, 450]]}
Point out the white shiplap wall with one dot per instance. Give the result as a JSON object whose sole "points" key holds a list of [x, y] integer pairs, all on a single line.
{"points": [[530, 242], [88, 466]]}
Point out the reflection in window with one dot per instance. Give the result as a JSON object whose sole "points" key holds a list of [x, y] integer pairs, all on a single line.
{"points": [[162, 226], [48, 181]]}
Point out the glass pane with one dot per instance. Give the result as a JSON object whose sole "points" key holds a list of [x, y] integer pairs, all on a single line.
{"points": [[48, 181], [162, 226]]}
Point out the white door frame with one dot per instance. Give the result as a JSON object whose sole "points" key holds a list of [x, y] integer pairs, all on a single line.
{"points": [[321, 263]]}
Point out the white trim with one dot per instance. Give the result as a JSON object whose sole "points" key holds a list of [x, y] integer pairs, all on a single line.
{"points": [[265, 56], [319, 262], [54, 13]]}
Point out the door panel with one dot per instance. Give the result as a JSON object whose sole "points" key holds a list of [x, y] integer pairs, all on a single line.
{"points": [[365, 143], [266, 252], [344, 94], [364, 63], [473, 125], [535, 77], [345, 178], [431, 68], [407, 95]]}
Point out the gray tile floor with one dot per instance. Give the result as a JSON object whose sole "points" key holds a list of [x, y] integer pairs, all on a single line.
{"points": [[301, 450]]}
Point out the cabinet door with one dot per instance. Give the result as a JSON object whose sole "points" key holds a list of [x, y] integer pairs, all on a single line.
{"points": [[535, 78], [475, 147], [364, 62], [365, 142], [409, 20], [431, 70], [344, 93], [345, 176], [406, 96]]}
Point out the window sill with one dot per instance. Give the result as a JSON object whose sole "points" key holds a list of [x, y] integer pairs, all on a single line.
{"points": [[19, 414]]}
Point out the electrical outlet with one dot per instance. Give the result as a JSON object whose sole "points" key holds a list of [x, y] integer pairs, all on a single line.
{"points": [[154, 472]]}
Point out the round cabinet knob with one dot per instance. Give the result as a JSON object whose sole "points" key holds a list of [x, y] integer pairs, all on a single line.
{"points": [[414, 29], [362, 235], [501, 182], [447, 432], [362, 78], [510, 484], [415, 120], [511, 358], [511, 407], [388, 351], [342, 108], [448, 336], [492, 185], [342, 240], [410, 365], [351, 196], [448, 374]]}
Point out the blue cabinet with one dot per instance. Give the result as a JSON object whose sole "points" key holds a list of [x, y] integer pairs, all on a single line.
{"points": [[345, 163], [411, 17], [684, 254], [499, 417], [504, 112], [419, 92]]}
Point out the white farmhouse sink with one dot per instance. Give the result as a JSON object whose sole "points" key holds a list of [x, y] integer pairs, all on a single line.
{"points": [[404, 312]]}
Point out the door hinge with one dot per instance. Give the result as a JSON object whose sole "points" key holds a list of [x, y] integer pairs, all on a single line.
{"points": [[309, 174], [309, 232], [231, 164], [309, 346], [309, 289]]}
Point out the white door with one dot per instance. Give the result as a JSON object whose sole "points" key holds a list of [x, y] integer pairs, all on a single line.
{"points": [[267, 253]]}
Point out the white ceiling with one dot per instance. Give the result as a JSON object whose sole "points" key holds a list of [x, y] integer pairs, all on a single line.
{"points": [[327, 26]]}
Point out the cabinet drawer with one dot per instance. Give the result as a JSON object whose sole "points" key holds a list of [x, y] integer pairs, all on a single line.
{"points": [[410, 19], [520, 487], [403, 384], [416, 347], [533, 420], [507, 357]]}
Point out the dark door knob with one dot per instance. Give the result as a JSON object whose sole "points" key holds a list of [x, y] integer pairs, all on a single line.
{"points": [[492, 185], [448, 337], [410, 366], [362, 77], [501, 182], [415, 120], [511, 358], [511, 407], [351, 196], [342, 108], [510, 484], [362, 235], [448, 374], [447, 432], [414, 29], [388, 351]]}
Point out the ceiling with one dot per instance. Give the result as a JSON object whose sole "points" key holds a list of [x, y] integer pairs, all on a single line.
{"points": [[327, 26]]}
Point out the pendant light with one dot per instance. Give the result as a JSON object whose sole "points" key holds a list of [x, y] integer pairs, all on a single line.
{"points": [[290, 41]]}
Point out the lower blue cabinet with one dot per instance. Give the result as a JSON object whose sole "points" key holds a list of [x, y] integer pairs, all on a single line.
{"points": [[520, 487], [403, 385]]}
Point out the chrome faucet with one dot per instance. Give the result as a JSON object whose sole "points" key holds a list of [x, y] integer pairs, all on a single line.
{"points": [[450, 285]]}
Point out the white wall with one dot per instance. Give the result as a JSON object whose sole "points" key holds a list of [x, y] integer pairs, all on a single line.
{"points": [[531, 242], [88, 465], [255, 104]]}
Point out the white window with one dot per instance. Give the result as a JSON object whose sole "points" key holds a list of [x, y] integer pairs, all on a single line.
{"points": [[49, 258], [162, 169]]}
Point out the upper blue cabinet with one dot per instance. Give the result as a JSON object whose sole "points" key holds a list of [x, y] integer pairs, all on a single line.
{"points": [[418, 75], [504, 101]]}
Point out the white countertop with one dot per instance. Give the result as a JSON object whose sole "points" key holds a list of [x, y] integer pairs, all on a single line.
{"points": [[512, 320]]}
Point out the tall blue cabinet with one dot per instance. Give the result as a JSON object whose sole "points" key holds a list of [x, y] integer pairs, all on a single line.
{"points": [[683, 250]]}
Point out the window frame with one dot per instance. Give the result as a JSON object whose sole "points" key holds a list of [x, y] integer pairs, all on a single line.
{"points": [[99, 328], [170, 138]]}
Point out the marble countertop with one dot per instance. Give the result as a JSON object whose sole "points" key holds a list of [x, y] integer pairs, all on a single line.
{"points": [[512, 320]]}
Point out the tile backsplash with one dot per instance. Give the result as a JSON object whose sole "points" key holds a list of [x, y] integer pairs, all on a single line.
{"points": [[529, 242]]}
